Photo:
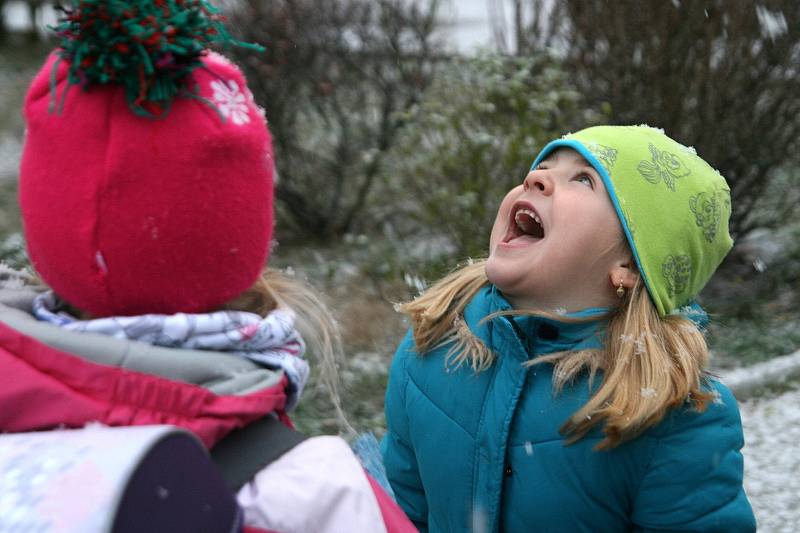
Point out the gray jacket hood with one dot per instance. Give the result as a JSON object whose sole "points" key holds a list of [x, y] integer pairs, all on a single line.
{"points": [[221, 373]]}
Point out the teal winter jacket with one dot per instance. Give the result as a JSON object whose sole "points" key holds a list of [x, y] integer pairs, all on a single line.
{"points": [[483, 452]]}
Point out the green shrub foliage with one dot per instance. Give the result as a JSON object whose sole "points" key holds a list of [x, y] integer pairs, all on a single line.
{"points": [[475, 136]]}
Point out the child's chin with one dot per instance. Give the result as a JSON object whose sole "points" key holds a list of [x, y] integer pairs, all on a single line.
{"points": [[500, 273]]}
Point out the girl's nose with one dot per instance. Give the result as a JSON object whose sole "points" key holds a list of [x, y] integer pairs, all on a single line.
{"points": [[540, 181]]}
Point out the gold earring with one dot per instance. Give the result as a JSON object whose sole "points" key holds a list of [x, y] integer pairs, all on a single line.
{"points": [[620, 290]]}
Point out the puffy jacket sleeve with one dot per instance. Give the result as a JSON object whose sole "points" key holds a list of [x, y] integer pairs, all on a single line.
{"points": [[398, 454], [694, 478]]}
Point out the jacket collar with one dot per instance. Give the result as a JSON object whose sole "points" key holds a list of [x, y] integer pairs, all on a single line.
{"points": [[537, 335]]}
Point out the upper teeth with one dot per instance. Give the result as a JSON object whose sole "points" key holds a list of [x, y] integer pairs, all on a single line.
{"points": [[528, 212]]}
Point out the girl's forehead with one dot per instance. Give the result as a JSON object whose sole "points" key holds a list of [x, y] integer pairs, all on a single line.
{"points": [[566, 154]]}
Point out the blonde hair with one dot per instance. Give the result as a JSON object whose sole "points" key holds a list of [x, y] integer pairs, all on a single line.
{"points": [[649, 364], [313, 320]]}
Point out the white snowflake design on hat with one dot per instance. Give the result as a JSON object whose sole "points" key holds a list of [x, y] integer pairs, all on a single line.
{"points": [[231, 101]]}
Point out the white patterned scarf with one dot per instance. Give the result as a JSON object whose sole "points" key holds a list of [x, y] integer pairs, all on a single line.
{"points": [[271, 341]]}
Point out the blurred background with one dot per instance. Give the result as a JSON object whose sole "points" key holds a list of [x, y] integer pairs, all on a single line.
{"points": [[400, 124]]}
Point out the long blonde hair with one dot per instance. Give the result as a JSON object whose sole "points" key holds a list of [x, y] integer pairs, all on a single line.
{"points": [[313, 320], [649, 364]]}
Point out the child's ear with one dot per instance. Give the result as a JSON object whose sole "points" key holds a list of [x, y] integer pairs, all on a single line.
{"points": [[624, 273]]}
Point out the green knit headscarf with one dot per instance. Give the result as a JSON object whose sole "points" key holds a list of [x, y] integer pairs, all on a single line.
{"points": [[673, 206]]}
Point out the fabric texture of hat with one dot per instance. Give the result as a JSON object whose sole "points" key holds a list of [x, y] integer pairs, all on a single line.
{"points": [[148, 198], [673, 206]]}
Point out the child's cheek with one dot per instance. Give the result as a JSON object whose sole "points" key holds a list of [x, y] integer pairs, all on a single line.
{"points": [[501, 220], [507, 203]]}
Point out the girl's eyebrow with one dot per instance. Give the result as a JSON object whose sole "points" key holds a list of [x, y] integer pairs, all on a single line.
{"points": [[552, 156], [585, 165]]}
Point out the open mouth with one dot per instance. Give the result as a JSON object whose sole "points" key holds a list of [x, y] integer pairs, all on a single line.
{"points": [[525, 224]]}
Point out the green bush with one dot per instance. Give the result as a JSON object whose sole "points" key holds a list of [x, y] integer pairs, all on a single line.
{"points": [[737, 342], [335, 78], [473, 138], [12, 252]]}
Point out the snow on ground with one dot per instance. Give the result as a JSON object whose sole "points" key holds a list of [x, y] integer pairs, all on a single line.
{"points": [[772, 460]]}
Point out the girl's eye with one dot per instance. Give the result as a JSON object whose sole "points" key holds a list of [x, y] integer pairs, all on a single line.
{"points": [[585, 179]]}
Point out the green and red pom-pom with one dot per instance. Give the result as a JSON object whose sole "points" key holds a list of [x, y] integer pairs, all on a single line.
{"points": [[147, 46]]}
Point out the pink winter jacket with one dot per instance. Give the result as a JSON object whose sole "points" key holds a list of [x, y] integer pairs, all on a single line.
{"points": [[50, 377]]}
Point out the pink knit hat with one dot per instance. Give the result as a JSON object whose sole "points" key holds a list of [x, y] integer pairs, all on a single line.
{"points": [[126, 213]]}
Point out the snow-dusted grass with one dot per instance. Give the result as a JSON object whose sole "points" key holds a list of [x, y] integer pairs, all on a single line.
{"points": [[772, 460], [739, 342], [761, 379], [769, 395]]}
